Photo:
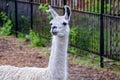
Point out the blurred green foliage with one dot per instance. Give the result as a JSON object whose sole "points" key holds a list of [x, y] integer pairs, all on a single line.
{"points": [[5, 25], [35, 39]]}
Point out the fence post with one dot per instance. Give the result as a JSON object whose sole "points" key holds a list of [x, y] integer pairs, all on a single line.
{"points": [[16, 19], [65, 2], [31, 11], [102, 35], [6, 8]]}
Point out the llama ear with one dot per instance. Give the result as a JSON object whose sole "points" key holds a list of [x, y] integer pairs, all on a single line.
{"points": [[67, 13], [52, 11]]}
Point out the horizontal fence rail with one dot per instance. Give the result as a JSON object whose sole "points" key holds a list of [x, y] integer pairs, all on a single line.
{"points": [[88, 23]]}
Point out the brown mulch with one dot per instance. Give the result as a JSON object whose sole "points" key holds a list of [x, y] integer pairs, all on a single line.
{"points": [[18, 53]]}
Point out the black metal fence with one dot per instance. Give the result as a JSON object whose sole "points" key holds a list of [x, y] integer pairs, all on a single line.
{"points": [[95, 24]]}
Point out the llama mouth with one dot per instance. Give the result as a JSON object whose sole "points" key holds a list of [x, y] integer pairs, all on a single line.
{"points": [[54, 33]]}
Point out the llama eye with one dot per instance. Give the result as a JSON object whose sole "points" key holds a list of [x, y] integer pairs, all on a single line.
{"points": [[64, 23], [50, 23]]}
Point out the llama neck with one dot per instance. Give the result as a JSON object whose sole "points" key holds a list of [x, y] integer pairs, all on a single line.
{"points": [[58, 59]]}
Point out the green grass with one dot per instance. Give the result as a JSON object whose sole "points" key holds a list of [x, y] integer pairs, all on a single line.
{"points": [[87, 61]]}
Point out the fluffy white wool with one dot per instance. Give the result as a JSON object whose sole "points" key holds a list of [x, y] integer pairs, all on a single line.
{"points": [[26, 73]]}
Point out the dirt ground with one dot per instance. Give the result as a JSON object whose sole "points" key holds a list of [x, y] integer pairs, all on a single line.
{"points": [[17, 53]]}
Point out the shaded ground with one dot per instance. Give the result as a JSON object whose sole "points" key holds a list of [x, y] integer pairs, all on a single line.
{"points": [[17, 53]]}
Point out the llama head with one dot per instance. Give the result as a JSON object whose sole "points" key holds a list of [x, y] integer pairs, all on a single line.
{"points": [[60, 24]]}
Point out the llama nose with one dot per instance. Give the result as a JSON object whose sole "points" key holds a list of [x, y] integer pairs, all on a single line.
{"points": [[54, 27], [53, 30]]}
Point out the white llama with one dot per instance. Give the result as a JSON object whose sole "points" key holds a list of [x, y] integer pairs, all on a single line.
{"points": [[57, 67]]}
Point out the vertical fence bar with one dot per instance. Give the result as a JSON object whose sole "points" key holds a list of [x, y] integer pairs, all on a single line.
{"points": [[6, 7], [65, 2], [16, 18], [102, 35], [31, 11]]}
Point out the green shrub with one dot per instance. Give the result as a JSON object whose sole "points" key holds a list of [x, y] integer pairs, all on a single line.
{"points": [[3, 18], [21, 35], [24, 24], [84, 34], [79, 37], [6, 26], [43, 8], [35, 39]]}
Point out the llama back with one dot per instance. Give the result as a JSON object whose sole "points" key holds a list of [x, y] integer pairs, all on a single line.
{"points": [[26, 73]]}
